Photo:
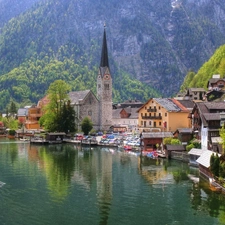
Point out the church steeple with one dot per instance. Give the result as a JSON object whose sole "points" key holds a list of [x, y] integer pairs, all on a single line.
{"points": [[104, 57], [104, 88]]}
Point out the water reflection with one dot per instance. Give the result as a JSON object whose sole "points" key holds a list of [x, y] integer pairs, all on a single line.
{"points": [[103, 186], [205, 200]]}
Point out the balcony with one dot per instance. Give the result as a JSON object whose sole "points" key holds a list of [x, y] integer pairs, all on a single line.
{"points": [[151, 117], [151, 110]]}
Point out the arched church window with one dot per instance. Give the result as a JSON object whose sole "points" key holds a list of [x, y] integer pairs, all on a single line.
{"points": [[106, 86]]}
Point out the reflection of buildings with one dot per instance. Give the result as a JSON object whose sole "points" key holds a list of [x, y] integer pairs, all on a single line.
{"points": [[104, 186], [154, 171]]}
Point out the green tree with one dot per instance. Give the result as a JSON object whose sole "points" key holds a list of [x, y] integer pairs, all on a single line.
{"points": [[222, 135], [57, 95], [215, 164], [175, 141], [167, 140], [12, 109], [86, 125], [68, 118]]}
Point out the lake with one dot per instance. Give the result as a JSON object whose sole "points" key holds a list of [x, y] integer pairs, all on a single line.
{"points": [[66, 184]]}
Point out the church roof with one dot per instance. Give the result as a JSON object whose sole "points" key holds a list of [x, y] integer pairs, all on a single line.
{"points": [[77, 96], [104, 57]]}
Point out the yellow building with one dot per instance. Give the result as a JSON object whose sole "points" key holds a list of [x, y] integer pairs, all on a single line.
{"points": [[163, 114]]}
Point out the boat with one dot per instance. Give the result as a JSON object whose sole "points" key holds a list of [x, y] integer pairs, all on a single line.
{"points": [[127, 147], [24, 139], [1, 184]]}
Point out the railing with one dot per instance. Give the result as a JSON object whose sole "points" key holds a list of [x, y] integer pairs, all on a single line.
{"points": [[151, 117], [151, 110]]}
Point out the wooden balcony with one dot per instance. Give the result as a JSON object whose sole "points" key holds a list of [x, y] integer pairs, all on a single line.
{"points": [[151, 110], [151, 117]]}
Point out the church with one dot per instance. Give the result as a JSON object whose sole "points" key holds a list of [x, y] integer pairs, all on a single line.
{"points": [[97, 108]]}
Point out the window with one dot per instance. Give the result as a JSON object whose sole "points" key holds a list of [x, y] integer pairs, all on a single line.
{"points": [[150, 123], [160, 123], [90, 100], [165, 114], [106, 86]]}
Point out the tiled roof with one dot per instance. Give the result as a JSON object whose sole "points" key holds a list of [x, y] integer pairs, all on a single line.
{"points": [[185, 130], [168, 104], [22, 112], [197, 89], [214, 80], [116, 113], [211, 116], [204, 159], [132, 111], [156, 134], [187, 103], [215, 105], [175, 147], [77, 96], [182, 107], [196, 151]]}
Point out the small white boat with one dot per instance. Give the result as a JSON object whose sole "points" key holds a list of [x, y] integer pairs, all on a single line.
{"points": [[1, 184], [24, 139]]}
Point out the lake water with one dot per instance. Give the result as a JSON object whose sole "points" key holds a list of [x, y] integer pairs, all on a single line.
{"points": [[65, 185]]}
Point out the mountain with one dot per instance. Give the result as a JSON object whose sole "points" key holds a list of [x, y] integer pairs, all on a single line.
{"points": [[152, 42], [12, 8]]}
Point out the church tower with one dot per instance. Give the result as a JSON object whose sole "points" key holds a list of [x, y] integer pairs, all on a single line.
{"points": [[104, 89]]}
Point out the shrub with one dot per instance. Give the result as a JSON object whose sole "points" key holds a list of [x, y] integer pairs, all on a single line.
{"points": [[12, 132]]}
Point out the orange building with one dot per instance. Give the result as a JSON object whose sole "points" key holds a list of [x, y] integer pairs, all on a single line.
{"points": [[30, 115], [163, 114]]}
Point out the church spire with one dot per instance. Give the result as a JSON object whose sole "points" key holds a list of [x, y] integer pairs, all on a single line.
{"points": [[104, 57]]}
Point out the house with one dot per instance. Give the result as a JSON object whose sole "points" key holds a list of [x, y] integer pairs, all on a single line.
{"points": [[150, 140], [125, 115], [184, 135], [33, 116], [172, 150], [165, 114], [22, 114], [216, 83], [195, 94], [194, 154], [215, 88], [206, 122], [204, 163]]}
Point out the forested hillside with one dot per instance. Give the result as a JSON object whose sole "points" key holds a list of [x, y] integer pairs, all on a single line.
{"points": [[215, 65], [151, 44]]}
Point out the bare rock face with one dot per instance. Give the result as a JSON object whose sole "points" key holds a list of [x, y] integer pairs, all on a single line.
{"points": [[157, 42]]}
